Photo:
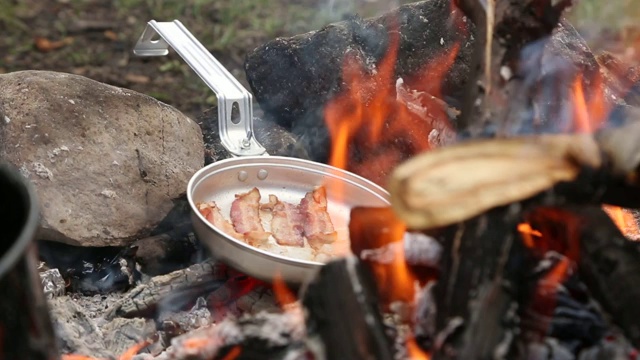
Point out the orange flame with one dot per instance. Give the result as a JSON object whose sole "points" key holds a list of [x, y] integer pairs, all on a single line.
{"points": [[545, 296], [589, 115], [624, 219], [127, 355], [284, 295], [371, 130], [415, 352], [233, 353], [378, 229], [527, 233]]}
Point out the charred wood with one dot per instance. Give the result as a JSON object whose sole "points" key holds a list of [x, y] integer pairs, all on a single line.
{"points": [[504, 28], [343, 314], [91, 270], [177, 290], [264, 336], [608, 263], [434, 189], [477, 296]]}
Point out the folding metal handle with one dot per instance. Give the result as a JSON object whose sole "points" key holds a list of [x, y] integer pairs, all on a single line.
{"points": [[236, 132]]}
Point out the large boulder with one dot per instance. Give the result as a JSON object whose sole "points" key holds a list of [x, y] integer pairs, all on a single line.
{"points": [[106, 162]]}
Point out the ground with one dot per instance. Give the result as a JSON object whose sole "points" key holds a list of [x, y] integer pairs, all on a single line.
{"points": [[94, 38]]}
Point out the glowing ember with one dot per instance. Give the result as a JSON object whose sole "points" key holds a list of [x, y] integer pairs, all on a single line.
{"points": [[589, 116], [545, 295], [625, 221], [233, 353], [371, 129], [127, 355], [284, 295], [415, 352], [527, 234]]}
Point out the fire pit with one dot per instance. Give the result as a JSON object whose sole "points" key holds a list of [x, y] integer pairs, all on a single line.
{"points": [[509, 152]]}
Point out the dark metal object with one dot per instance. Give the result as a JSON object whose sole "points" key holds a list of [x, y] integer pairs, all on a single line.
{"points": [[25, 327]]}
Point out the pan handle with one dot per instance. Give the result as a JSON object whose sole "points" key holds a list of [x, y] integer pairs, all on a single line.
{"points": [[235, 108]]}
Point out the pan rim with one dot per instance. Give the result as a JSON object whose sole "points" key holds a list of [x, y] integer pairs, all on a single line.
{"points": [[302, 164]]}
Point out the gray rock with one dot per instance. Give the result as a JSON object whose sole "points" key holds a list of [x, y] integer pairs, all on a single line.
{"points": [[292, 78], [106, 162]]}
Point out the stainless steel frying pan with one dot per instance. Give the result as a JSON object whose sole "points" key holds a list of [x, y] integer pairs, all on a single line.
{"points": [[288, 178]]}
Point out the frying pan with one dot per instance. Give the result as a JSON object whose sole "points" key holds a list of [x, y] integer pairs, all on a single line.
{"points": [[287, 178]]}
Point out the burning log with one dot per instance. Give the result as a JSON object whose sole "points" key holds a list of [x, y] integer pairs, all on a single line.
{"points": [[194, 281], [343, 314], [509, 63], [434, 189], [476, 295], [608, 263]]}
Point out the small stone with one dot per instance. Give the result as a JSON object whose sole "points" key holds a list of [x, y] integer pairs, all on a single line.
{"points": [[108, 194], [42, 171]]}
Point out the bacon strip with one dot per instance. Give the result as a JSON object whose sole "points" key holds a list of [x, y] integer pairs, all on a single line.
{"points": [[212, 213], [287, 223], [317, 224], [245, 215]]}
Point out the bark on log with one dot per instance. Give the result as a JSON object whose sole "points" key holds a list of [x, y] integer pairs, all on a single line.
{"points": [[477, 293], [200, 278], [449, 185], [343, 313]]}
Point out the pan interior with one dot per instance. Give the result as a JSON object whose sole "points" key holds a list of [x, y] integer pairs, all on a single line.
{"points": [[288, 179]]}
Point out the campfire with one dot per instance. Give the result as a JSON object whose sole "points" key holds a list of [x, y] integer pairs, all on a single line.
{"points": [[509, 153]]}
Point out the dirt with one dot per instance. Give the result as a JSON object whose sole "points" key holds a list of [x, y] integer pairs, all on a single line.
{"points": [[95, 38]]}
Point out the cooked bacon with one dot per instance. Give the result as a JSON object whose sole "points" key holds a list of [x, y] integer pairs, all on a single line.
{"points": [[286, 224], [212, 213], [273, 200], [317, 224], [245, 215]]}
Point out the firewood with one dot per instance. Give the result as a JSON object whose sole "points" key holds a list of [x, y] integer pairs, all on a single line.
{"points": [[448, 185], [343, 313], [608, 263], [476, 295], [452, 184], [194, 281]]}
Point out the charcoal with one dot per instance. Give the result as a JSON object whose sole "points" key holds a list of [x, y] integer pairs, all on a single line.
{"points": [[264, 336], [613, 347], [172, 292], [52, 283], [343, 313], [184, 321], [77, 332], [608, 263], [90, 270]]}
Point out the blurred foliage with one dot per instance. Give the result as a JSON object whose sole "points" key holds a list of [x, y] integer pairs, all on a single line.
{"points": [[600, 14]]}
